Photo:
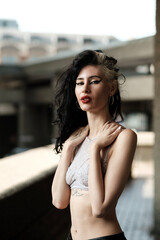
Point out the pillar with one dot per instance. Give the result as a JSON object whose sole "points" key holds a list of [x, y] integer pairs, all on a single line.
{"points": [[156, 114]]}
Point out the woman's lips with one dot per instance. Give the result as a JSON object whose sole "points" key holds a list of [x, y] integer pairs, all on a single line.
{"points": [[85, 99]]}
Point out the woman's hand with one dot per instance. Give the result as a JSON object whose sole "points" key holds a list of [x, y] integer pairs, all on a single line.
{"points": [[107, 134], [77, 137]]}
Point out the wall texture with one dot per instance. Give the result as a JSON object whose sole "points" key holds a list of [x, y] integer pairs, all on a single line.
{"points": [[29, 214]]}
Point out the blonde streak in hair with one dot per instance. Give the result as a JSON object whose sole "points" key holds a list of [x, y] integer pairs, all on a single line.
{"points": [[111, 75], [100, 58], [102, 62]]}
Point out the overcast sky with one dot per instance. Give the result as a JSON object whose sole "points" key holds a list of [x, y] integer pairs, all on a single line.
{"points": [[124, 19]]}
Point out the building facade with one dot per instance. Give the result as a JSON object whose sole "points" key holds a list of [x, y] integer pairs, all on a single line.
{"points": [[27, 83], [17, 46]]}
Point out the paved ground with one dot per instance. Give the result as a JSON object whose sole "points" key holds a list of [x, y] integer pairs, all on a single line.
{"points": [[135, 209], [135, 206]]}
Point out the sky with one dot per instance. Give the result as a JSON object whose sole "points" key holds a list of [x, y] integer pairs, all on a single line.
{"points": [[123, 19]]}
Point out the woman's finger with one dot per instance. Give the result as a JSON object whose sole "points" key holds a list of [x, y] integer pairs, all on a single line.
{"points": [[112, 126], [106, 125], [119, 128], [117, 131]]}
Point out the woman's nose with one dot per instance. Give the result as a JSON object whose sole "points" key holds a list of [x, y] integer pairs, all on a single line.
{"points": [[86, 88]]}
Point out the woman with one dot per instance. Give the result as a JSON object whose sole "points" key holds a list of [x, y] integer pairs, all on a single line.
{"points": [[97, 151]]}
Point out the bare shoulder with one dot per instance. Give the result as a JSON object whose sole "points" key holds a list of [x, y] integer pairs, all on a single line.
{"points": [[127, 133], [123, 148], [126, 141], [126, 138]]}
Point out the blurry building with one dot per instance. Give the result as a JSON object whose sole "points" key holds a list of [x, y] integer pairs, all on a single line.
{"points": [[17, 46], [30, 64]]}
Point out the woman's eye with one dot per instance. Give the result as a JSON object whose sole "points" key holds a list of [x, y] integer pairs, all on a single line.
{"points": [[79, 83], [95, 81]]}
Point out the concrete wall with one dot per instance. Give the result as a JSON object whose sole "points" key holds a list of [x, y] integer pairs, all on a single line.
{"points": [[29, 214], [26, 210], [143, 163]]}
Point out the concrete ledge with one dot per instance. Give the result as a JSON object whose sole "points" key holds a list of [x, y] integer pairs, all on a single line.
{"points": [[145, 139], [143, 164], [23, 169], [25, 197]]}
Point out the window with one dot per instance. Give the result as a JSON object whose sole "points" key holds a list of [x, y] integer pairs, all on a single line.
{"points": [[62, 40], [9, 59], [39, 39], [137, 120], [12, 38], [8, 23], [89, 41]]}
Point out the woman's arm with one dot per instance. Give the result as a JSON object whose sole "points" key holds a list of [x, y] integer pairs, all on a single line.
{"points": [[104, 194], [60, 189]]}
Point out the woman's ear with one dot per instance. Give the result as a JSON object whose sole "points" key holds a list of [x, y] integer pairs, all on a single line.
{"points": [[114, 86]]}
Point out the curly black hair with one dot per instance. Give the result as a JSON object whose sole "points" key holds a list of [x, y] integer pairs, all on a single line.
{"points": [[69, 116]]}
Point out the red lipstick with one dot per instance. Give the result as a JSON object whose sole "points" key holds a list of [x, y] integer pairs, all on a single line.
{"points": [[85, 99]]}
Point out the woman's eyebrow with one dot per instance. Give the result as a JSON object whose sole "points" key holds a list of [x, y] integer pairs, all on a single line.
{"points": [[80, 79], [93, 76]]}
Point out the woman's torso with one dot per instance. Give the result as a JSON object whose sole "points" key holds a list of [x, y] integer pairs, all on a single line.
{"points": [[84, 224]]}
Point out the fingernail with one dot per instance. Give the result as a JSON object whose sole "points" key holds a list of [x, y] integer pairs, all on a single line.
{"points": [[119, 128]]}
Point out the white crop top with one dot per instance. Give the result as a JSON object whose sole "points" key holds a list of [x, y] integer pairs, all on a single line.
{"points": [[77, 173]]}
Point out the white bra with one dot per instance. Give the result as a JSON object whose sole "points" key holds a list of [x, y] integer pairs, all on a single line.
{"points": [[77, 173]]}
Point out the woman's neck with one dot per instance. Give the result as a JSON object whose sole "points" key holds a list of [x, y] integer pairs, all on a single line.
{"points": [[96, 122]]}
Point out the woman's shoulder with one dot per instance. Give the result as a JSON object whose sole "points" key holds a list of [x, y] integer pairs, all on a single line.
{"points": [[127, 133], [125, 143], [126, 137]]}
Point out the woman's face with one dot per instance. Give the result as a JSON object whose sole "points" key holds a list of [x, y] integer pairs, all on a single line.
{"points": [[92, 89]]}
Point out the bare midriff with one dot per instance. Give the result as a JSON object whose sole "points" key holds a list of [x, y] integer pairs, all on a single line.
{"points": [[84, 224]]}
